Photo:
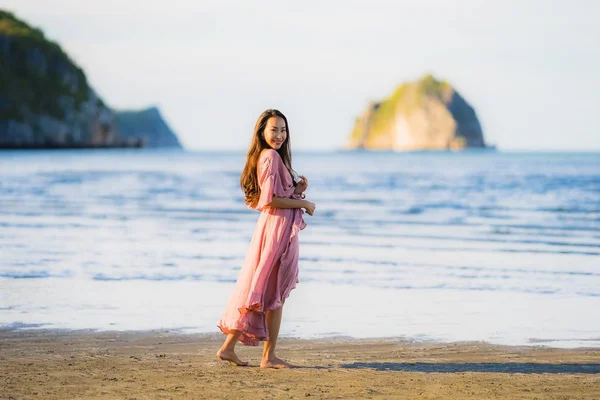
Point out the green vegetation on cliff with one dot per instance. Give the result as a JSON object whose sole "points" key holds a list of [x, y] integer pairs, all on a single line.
{"points": [[35, 74]]}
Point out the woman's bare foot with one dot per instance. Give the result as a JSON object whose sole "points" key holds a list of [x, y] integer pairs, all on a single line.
{"points": [[229, 355], [275, 362]]}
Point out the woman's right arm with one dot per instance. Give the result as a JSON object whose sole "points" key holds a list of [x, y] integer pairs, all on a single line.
{"points": [[284, 202]]}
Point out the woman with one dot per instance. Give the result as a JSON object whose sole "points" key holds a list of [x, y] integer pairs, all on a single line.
{"points": [[270, 270]]}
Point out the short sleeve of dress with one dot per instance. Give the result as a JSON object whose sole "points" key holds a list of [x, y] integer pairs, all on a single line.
{"points": [[269, 180]]}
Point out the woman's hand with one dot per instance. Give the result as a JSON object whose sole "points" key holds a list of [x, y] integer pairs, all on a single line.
{"points": [[302, 185], [310, 207]]}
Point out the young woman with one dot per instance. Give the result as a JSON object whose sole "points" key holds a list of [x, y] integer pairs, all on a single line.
{"points": [[270, 270]]}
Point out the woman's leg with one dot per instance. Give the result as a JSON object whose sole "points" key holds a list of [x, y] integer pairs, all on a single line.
{"points": [[269, 360], [227, 350]]}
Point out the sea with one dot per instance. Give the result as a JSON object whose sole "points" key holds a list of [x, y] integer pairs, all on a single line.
{"points": [[495, 246]]}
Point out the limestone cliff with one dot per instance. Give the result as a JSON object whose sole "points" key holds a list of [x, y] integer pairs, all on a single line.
{"points": [[426, 114], [45, 98]]}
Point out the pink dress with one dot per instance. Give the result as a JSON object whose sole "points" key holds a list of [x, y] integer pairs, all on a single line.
{"points": [[275, 239]]}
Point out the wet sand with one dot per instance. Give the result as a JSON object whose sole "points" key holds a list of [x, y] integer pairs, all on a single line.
{"points": [[169, 365]]}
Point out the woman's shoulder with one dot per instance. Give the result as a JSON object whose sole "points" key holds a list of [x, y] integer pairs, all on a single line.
{"points": [[269, 154]]}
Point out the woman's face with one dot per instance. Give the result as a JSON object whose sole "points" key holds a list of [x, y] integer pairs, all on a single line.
{"points": [[275, 132]]}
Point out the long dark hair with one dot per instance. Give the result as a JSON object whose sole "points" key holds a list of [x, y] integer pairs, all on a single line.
{"points": [[249, 178]]}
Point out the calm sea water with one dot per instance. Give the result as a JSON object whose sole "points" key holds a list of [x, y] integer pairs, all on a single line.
{"points": [[501, 247]]}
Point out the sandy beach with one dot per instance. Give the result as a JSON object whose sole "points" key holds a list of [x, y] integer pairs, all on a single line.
{"points": [[165, 364]]}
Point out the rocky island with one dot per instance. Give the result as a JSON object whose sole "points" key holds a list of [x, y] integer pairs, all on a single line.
{"points": [[426, 114], [47, 102], [146, 124]]}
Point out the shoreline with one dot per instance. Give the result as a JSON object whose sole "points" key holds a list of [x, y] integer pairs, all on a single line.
{"points": [[217, 335], [417, 314], [163, 363]]}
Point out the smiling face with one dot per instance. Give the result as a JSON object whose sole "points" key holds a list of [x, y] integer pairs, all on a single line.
{"points": [[275, 132]]}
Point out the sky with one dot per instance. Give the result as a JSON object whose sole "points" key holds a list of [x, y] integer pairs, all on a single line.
{"points": [[529, 68]]}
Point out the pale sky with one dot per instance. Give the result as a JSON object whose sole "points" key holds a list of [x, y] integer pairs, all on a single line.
{"points": [[529, 68]]}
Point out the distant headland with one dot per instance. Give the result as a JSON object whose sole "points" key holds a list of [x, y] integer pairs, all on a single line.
{"points": [[47, 102]]}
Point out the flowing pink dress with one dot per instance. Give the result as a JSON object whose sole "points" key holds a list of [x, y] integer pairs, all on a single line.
{"points": [[275, 239]]}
